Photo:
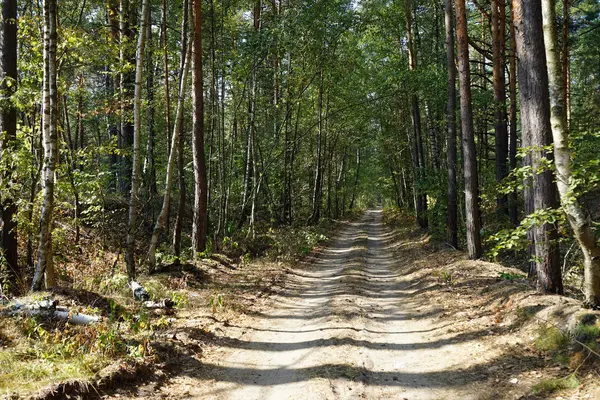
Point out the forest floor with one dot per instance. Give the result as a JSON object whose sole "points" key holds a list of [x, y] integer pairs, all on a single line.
{"points": [[378, 313]]}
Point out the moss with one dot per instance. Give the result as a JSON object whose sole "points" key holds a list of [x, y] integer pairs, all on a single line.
{"points": [[587, 334], [552, 385], [551, 340]]}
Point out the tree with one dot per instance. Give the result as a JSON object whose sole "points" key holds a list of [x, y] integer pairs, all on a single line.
{"points": [[579, 221], [419, 155], [537, 133], [8, 137], [451, 125], [500, 126], [200, 218], [45, 266], [468, 140], [175, 148], [134, 200]]}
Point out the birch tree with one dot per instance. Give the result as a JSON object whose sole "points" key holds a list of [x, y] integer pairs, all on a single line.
{"points": [[579, 221], [162, 216], [44, 266], [136, 177]]}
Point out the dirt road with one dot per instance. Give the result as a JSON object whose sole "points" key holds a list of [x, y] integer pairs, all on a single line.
{"points": [[345, 327]]}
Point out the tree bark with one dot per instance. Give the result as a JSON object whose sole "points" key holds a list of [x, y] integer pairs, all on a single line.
{"points": [[175, 138], [500, 126], [200, 218], [134, 200], [580, 222], [177, 229], [468, 139], [421, 196], [127, 85], [535, 127], [8, 137], [512, 139], [451, 129], [50, 139]]}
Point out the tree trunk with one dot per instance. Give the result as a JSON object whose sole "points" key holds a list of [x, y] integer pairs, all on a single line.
{"points": [[500, 127], [451, 135], [566, 61], [468, 139], [177, 229], [134, 200], [162, 216], [535, 126], [127, 83], [50, 139], [421, 203], [318, 182], [149, 162], [580, 222], [512, 139], [200, 218], [356, 176], [8, 137]]}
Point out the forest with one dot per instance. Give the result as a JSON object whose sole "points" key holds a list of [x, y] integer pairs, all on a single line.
{"points": [[142, 136]]}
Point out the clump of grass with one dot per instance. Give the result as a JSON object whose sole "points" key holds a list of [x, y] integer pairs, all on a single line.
{"points": [[551, 340], [587, 334], [445, 276], [552, 385]]}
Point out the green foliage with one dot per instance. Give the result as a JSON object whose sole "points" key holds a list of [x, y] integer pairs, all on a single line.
{"points": [[509, 276], [445, 276], [516, 239], [549, 386], [216, 302]]}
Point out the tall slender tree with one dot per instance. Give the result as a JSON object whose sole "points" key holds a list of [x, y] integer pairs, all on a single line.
{"points": [[468, 135], [419, 155], [500, 123], [50, 106], [451, 126], [8, 137], [537, 133], [134, 199], [580, 222], [200, 219]]}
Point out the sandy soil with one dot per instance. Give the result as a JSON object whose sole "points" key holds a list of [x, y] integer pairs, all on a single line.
{"points": [[347, 326]]}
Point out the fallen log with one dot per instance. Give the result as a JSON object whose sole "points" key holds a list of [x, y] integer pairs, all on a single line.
{"points": [[50, 309], [166, 303], [139, 293]]}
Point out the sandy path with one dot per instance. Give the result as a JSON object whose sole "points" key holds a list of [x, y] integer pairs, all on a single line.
{"points": [[345, 327]]}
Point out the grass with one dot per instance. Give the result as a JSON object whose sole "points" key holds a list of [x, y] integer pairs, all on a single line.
{"points": [[548, 386], [22, 373], [587, 334], [551, 340]]}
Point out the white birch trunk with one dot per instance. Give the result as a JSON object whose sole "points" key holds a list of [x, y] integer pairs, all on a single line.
{"points": [[136, 168], [44, 266], [579, 221], [162, 217]]}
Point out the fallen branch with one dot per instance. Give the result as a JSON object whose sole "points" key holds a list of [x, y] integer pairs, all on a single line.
{"points": [[220, 258]]}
